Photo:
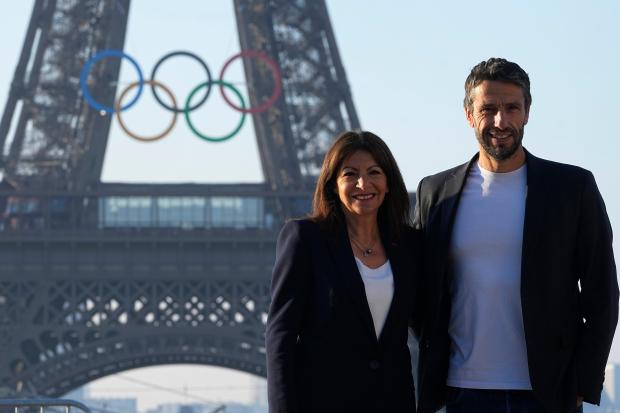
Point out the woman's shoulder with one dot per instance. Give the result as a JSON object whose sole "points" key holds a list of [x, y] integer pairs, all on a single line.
{"points": [[300, 234], [302, 227], [301, 224]]}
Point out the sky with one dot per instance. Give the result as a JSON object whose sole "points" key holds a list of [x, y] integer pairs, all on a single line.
{"points": [[406, 62]]}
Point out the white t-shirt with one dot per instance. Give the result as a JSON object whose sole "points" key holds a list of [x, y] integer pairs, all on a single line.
{"points": [[379, 286], [488, 348]]}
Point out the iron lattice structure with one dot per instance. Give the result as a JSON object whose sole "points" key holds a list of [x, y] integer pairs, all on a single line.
{"points": [[295, 134], [90, 329], [99, 278], [59, 141]]}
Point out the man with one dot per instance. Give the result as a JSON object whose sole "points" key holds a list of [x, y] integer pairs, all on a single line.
{"points": [[521, 295]]}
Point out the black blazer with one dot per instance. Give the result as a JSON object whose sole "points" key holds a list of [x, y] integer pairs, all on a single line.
{"points": [[322, 351], [567, 239]]}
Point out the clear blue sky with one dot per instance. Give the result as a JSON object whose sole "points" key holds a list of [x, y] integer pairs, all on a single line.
{"points": [[406, 62]]}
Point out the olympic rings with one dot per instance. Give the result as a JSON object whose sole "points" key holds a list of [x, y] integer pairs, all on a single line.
{"points": [[277, 80], [117, 109], [208, 84], [199, 60], [86, 71]]}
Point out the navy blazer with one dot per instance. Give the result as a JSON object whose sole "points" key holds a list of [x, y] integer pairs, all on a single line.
{"points": [[569, 289], [322, 351]]}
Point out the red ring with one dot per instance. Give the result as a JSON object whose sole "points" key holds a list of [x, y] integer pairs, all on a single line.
{"points": [[277, 77]]}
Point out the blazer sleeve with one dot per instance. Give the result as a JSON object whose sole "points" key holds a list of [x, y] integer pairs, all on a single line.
{"points": [[599, 292], [289, 291], [419, 216], [414, 251]]}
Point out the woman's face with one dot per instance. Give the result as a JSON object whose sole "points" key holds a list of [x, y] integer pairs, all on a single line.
{"points": [[361, 184]]}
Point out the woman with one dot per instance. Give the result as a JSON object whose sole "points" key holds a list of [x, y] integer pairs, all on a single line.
{"points": [[342, 290]]}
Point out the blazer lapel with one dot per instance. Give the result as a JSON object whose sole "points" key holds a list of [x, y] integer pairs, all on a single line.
{"points": [[440, 228], [399, 271], [450, 196], [348, 273], [534, 215]]}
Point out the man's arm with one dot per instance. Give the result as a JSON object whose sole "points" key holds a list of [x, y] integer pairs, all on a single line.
{"points": [[419, 225], [418, 216], [599, 292]]}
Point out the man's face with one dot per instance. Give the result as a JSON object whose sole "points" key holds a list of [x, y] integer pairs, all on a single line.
{"points": [[498, 116]]}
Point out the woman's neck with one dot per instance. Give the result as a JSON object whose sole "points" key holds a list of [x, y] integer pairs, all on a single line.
{"points": [[362, 228]]}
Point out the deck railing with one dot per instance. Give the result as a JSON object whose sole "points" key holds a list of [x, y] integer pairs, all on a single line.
{"points": [[43, 405]]}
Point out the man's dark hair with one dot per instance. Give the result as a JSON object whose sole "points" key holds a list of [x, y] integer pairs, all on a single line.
{"points": [[500, 70]]}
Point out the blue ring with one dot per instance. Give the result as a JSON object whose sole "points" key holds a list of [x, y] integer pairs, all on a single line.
{"points": [[86, 70]]}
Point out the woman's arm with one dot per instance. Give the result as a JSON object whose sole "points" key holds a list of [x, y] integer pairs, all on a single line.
{"points": [[289, 289]]}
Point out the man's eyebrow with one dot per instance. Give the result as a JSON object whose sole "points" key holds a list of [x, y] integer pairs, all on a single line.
{"points": [[495, 104]]}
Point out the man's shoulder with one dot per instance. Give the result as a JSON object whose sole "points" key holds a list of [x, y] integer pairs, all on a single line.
{"points": [[437, 180], [559, 170]]}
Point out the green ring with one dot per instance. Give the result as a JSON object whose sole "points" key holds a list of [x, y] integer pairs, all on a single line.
{"points": [[189, 121]]}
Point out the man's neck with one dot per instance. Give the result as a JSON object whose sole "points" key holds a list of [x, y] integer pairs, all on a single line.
{"points": [[514, 162]]}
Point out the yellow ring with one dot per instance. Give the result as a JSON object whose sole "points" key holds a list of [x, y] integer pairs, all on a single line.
{"points": [[118, 104]]}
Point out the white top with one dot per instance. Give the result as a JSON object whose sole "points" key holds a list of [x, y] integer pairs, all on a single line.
{"points": [[486, 323], [379, 286]]}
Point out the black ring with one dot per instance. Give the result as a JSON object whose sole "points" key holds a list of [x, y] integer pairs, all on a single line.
{"points": [[199, 60]]}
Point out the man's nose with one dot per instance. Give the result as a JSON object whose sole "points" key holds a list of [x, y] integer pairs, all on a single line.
{"points": [[500, 119]]}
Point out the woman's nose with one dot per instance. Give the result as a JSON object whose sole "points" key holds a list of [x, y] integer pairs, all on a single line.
{"points": [[361, 182]]}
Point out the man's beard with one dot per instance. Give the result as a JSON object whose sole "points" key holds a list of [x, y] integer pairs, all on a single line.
{"points": [[501, 152]]}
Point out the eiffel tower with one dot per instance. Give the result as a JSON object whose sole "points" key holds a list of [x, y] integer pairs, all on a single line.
{"points": [[99, 278]]}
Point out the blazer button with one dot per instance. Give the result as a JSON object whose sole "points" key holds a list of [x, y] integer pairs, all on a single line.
{"points": [[374, 364]]}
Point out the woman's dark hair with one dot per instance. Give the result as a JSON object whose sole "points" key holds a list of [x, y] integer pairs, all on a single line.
{"points": [[326, 206]]}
